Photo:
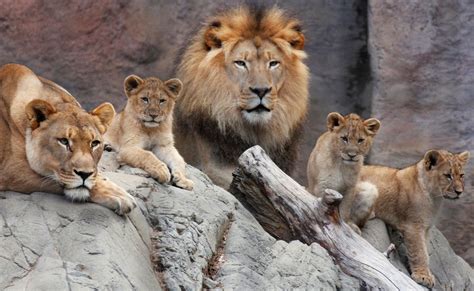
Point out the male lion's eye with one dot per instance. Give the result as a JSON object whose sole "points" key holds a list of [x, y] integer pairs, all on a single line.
{"points": [[273, 64], [361, 140], [95, 143], [240, 63], [162, 101], [63, 141], [448, 176], [344, 139], [145, 100]]}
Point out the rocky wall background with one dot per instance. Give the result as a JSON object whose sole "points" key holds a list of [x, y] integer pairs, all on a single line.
{"points": [[409, 63]]}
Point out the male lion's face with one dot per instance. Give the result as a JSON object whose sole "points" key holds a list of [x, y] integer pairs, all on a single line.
{"points": [[65, 144], [258, 69], [446, 171], [352, 135], [151, 100]]}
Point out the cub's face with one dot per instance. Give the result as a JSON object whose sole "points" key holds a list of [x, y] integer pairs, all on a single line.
{"points": [[352, 136], [65, 144], [446, 171], [151, 100]]}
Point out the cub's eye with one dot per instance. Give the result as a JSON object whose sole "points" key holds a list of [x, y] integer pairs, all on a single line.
{"points": [[240, 64], [162, 101], [63, 141], [462, 175], [344, 139], [145, 100], [95, 143], [273, 64], [360, 140], [448, 176]]}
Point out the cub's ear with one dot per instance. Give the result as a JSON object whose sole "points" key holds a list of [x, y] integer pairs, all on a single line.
{"points": [[211, 40], [174, 85], [464, 157], [131, 83], [38, 111], [334, 120], [432, 159], [105, 112], [372, 125]]}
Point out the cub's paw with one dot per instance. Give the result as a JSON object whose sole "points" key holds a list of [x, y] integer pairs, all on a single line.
{"points": [[180, 180], [424, 277], [160, 172]]}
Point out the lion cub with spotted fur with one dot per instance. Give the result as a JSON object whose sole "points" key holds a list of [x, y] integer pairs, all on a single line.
{"points": [[338, 157], [409, 200], [142, 132]]}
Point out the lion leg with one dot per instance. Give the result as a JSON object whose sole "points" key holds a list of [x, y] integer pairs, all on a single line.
{"points": [[415, 241], [176, 163], [364, 203], [110, 195], [145, 160]]}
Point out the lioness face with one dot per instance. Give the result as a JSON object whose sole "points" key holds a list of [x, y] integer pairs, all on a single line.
{"points": [[65, 144], [352, 135], [446, 171], [151, 100], [257, 67]]}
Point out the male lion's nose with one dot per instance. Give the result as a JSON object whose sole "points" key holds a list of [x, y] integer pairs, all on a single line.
{"points": [[153, 116], [83, 175], [260, 92]]}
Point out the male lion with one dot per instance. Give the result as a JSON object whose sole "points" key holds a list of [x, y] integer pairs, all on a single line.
{"points": [[245, 84], [142, 132], [50, 144], [336, 160], [409, 200]]}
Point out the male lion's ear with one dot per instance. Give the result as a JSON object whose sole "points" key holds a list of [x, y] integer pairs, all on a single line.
{"points": [[174, 85], [131, 83], [372, 125], [211, 40], [464, 157], [334, 120], [431, 159], [38, 111], [105, 112]]}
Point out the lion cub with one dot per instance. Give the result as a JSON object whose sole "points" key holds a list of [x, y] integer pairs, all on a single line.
{"points": [[337, 159], [142, 132], [410, 198]]}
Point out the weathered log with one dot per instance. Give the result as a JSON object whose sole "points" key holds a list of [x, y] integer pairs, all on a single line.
{"points": [[287, 211]]}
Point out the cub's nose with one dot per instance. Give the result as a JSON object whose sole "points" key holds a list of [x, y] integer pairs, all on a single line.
{"points": [[352, 155], [260, 92], [83, 175]]}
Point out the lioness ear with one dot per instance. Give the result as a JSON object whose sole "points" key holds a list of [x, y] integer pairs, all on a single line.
{"points": [[105, 112], [174, 85], [38, 111], [211, 40], [131, 83], [464, 157], [372, 125], [431, 159], [334, 120]]}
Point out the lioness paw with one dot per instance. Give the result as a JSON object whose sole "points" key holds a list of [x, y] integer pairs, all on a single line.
{"points": [[125, 204], [185, 184], [424, 278], [161, 173]]}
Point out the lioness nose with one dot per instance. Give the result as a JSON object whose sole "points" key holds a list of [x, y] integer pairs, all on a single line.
{"points": [[458, 192], [83, 175], [260, 92]]}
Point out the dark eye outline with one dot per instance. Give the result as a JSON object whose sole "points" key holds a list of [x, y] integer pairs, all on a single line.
{"points": [[273, 64], [145, 100], [461, 175], [345, 139], [64, 141], [240, 63], [449, 176], [95, 143], [360, 140], [162, 101]]}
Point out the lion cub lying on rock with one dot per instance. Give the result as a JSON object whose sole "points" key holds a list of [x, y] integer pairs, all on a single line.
{"points": [[337, 159], [142, 132], [409, 200]]}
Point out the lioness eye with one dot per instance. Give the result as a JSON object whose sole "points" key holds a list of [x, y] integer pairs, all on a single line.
{"points": [[240, 63], [162, 101], [63, 141], [145, 100], [448, 176], [273, 64], [344, 138], [95, 143], [361, 140]]}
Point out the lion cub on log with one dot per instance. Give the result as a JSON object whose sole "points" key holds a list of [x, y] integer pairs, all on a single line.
{"points": [[142, 132], [337, 159], [410, 198]]}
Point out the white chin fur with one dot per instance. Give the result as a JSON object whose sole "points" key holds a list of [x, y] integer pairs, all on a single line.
{"points": [[151, 124], [256, 117], [77, 194]]}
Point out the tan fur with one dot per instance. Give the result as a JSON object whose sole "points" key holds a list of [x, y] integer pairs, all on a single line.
{"points": [[49, 141], [338, 156], [142, 132], [216, 118], [410, 198]]}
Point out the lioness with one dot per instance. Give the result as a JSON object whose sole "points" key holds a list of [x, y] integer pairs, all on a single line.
{"points": [[50, 144], [245, 84], [142, 132], [337, 159], [410, 198]]}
